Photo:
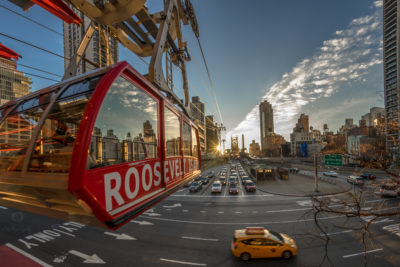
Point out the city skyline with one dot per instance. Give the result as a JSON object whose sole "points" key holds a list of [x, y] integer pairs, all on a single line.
{"points": [[279, 61]]}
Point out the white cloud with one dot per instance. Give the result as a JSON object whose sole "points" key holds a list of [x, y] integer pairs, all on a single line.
{"points": [[341, 61]]}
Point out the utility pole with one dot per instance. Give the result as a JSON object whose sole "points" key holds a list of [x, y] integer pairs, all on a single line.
{"points": [[316, 172], [223, 146]]}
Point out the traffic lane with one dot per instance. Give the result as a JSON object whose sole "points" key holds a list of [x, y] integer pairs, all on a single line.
{"points": [[221, 236]]}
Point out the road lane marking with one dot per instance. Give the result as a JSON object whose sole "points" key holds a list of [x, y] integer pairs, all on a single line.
{"points": [[220, 212], [362, 253], [238, 212], [184, 262], [243, 223], [288, 210], [337, 233], [184, 210], [26, 254], [203, 211], [3, 208], [198, 238], [255, 211]]}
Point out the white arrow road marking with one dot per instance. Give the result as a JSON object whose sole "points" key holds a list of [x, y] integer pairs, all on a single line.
{"points": [[120, 236], [150, 212], [142, 222], [304, 203], [87, 258], [173, 206]]}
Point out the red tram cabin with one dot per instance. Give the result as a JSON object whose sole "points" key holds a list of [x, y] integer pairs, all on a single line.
{"points": [[105, 145]]}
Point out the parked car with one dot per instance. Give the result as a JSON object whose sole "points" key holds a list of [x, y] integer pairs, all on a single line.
{"points": [[293, 170], [330, 173], [368, 176], [389, 190], [233, 189], [216, 187], [195, 186], [356, 180], [257, 242], [250, 186]]}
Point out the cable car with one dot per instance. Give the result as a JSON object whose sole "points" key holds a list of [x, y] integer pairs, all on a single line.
{"points": [[100, 148]]}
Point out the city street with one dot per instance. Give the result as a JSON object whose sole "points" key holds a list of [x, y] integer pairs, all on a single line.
{"points": [[195, 229]]}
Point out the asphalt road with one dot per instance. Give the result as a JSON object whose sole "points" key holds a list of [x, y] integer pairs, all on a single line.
{"points": [[195, 229]]}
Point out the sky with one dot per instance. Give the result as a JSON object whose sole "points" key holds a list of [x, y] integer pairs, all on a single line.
{"points": [[318, 57]]}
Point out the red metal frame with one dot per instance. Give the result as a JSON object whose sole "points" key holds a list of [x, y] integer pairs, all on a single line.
{"points": [[7, 53], [59, 9]]}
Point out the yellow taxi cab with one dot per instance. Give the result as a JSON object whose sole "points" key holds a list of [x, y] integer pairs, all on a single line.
{"points": [[257, 242]]}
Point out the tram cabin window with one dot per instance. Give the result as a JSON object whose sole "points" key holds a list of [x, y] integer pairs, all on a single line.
{"points": [[194, 144], [54, 145], [16, 131], [172, 133], [186, 139], [126, 127]]}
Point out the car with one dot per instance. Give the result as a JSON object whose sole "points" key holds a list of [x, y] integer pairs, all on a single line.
{"points": [[294, 170], [368, 176], [258, 242], [210, 175], [244, 179], [330, 173], [216, 187], [356, 180], [195, 186], [222, 181], [188, 183], [250, 186], [232, 180], [233, 189], [197, 178], [389, 190], [204, 180]]}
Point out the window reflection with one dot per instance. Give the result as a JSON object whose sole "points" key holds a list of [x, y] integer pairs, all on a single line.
{"points": [[186, 139], [16, 131], [172, 133], [194, 144], [126, 128]]}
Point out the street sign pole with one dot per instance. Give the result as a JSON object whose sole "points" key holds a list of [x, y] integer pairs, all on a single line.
{"points": [[316, 172]]}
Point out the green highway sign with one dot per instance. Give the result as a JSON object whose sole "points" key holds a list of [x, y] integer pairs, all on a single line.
{"points": [[333, 160]]}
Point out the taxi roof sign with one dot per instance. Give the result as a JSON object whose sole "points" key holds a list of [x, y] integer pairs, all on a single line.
{"points": [[255, 230]]}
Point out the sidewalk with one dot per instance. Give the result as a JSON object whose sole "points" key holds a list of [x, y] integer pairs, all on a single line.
{"points": [[300, 185]]}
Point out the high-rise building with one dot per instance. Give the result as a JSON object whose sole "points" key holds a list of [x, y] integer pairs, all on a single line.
{"points": [[197, 109], [266, 122], [95, 55], [212, 135], [13, 83], [391, 52], [302, 124]]}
